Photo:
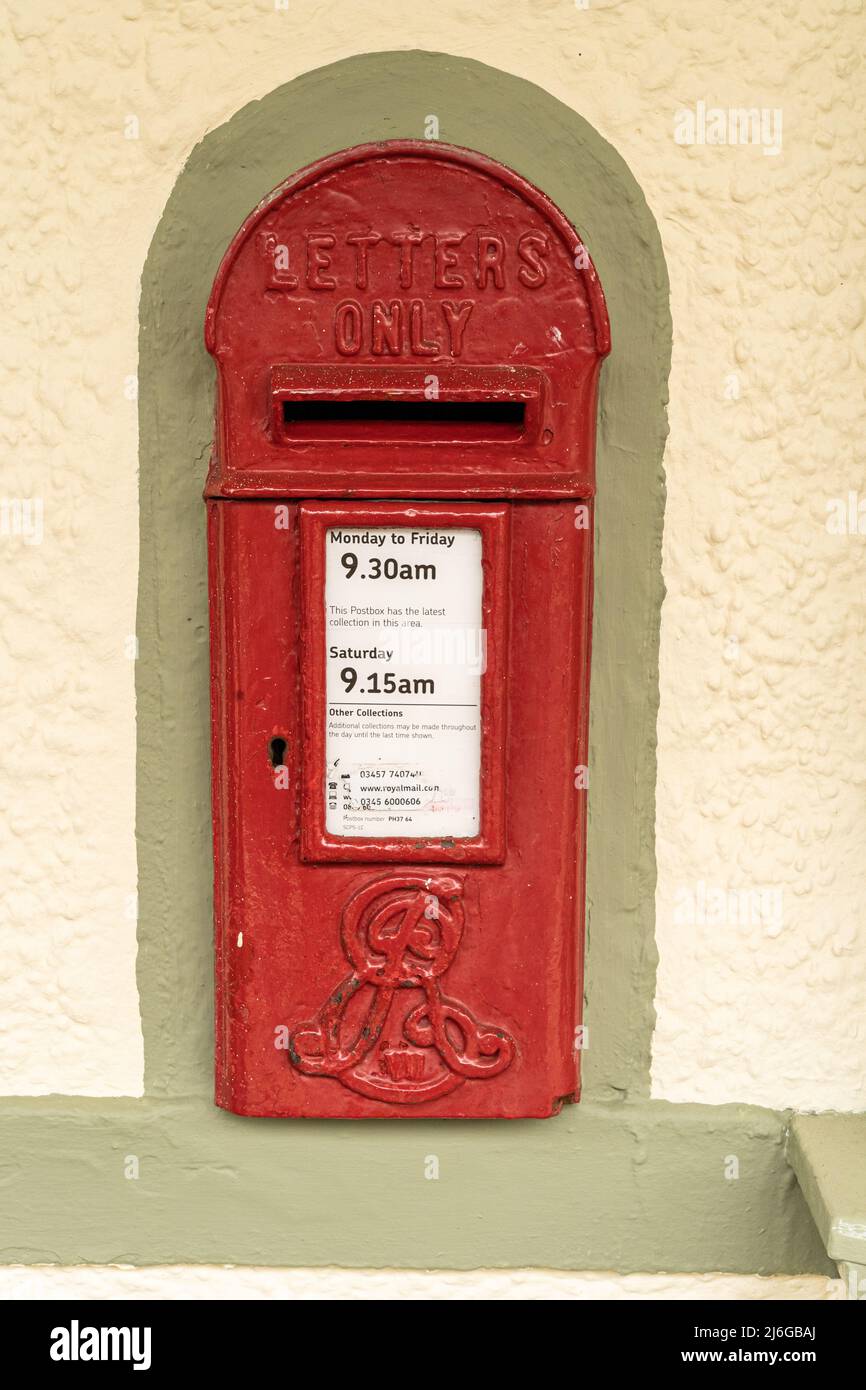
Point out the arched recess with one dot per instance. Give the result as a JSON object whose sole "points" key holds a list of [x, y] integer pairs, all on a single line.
{"points": [[373, 97]]}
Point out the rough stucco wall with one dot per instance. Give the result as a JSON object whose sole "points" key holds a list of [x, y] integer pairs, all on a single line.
{"points": [[761, 733], [760, 745], [406, 1285]]}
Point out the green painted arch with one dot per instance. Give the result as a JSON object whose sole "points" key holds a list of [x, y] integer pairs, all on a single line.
{"points": [[373, 97]]}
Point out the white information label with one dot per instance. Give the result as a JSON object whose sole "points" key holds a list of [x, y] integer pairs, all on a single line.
{"points": [[405, 652]]}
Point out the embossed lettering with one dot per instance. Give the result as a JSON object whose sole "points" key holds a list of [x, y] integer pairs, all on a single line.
{"points": [[419, 344], [276, 254], [456, 318], [530, 248], [383, 261], [444, 258], [318, 246], [362, 241], [347, 327], [387, 327], [407, 241], [361, 258], [491, 255]]}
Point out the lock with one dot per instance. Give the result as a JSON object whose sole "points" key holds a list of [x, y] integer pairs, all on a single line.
{"points": [[408, 338]]}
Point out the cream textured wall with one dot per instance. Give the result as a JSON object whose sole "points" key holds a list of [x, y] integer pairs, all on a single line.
{"points": [[187, 1282], [762, 743]]}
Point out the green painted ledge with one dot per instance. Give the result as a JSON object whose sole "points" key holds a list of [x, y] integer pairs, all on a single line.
{"points": [[828, 1155], [632, 1186]]}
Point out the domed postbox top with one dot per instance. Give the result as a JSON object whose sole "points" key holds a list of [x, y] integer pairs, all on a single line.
{"points": [[406, 318]]}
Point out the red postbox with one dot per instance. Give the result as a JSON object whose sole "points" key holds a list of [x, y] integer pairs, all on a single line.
{"points": [[408, 339]]}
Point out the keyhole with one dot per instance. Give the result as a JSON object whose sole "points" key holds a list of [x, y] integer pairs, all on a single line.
{"points": [[277, 752]]}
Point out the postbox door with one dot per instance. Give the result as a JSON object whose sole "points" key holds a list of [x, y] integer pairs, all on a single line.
{"points": [[383, 972]]}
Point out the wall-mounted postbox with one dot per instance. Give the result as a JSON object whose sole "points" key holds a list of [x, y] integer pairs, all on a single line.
{"points": [[408, 339]]}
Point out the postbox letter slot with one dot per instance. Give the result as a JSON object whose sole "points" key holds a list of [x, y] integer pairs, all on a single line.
{"points": [[371, 420], [404, 406]]}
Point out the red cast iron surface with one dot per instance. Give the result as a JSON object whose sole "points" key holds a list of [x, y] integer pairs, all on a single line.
{"points": [[340, 991]]}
